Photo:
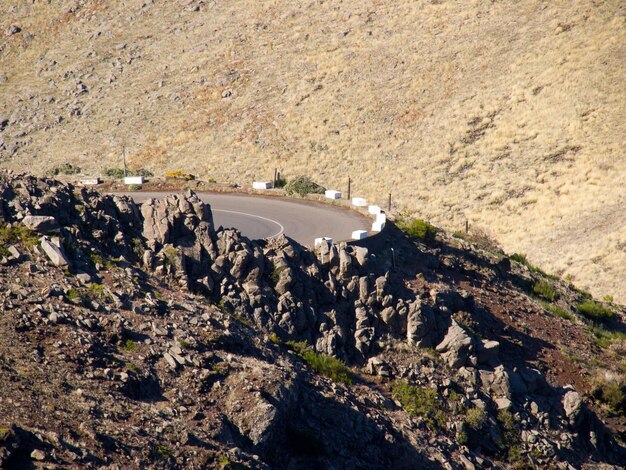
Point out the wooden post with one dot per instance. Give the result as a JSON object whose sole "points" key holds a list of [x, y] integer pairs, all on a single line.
{"points": [[349, 184], [466, 226], [389, 205], [124, 158], [275, 179]]}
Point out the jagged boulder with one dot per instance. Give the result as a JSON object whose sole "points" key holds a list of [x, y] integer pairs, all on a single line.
{"points": [[421, 326], [41, 223], [456, 346]]}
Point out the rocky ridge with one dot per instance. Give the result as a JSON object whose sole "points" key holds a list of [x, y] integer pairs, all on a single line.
{"points": [[151, 337]]}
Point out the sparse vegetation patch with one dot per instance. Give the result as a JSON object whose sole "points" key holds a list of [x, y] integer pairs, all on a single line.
{"points": [[417, 229], [322, 364], [594, 311], [303, 185], [420, 401]]}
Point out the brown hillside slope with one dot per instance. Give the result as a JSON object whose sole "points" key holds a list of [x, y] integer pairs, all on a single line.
{"points": [[510, 114]]}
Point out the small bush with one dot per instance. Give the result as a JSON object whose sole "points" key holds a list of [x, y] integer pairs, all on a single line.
{"points": [[604, 337], [141, 172], [419, 401], [130, 345], [558, 311], [519, 257], [15, 234], [612, 394], [476, 418], [418, 229], [544, 290], [163, 451], [322, 364], [138, 247], [608, 298], [96, 290], [134, 187], [73, 294], [118, 173], [594, 311], [179, 175], [64, 169], [274, 339], [303, 185]]}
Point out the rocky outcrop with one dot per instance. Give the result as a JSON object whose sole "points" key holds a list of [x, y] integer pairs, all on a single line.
{"points": [[341, 299]]}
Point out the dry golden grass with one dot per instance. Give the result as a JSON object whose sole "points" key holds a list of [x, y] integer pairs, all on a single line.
{"points": [[510, 114]]}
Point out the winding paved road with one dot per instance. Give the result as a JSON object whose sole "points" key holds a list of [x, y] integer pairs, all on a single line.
{"points": [[265, 217]]}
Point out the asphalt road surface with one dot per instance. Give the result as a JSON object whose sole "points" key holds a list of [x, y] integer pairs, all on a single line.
{"points": [[265, 217]]}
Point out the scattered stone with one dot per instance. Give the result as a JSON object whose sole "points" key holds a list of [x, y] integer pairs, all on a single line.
{"points": [[41, 223], [38, 454], [54, 253]]}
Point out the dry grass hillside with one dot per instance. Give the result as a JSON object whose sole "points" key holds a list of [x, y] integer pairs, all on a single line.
{"points": [[509, 114]]}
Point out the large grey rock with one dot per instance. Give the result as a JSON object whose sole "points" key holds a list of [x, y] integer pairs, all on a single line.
{"points": [[572, 404], [54, 253], [421, 325], [496, 382], [41, 223], [456, 346]]}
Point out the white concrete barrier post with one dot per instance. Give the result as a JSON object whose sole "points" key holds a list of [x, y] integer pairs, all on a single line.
{"points": [[261, 185], [381, 218], [359, 202], [332, 194], [359, 234], [378, 226], [374, 210], [319, 241], [90, 181], [133, 180]]}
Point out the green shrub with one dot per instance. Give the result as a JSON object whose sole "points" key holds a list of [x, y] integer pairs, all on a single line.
{"points": [[519, 257], [130, 345], [162, 451], [418, 229], [475, 418], [608, 298], [64, 169], [96, 290], [118, 173], [510, 439], [594, 311], [15, 234], [612, 394], [420, 401], [557, 311], [604, 337], [138, 247], [134, 187], [73, 294], [545, 290], [274, 339], [303, 185], [322, 364]]}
